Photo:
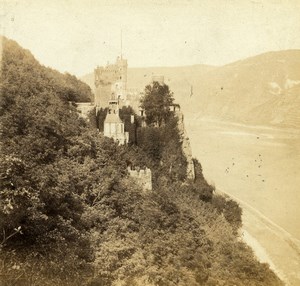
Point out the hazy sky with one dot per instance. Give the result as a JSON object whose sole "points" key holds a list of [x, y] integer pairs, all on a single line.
{"points": [[77, 35]]}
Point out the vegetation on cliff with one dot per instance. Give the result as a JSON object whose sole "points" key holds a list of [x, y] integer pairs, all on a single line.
{"points": [[71, 215], [156, 102]]}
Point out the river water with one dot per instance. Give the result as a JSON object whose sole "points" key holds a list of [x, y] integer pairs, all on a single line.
{"points": [[259, 165]]}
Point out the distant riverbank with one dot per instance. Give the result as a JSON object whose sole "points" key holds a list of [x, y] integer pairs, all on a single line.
{"points": [[259, 166]]}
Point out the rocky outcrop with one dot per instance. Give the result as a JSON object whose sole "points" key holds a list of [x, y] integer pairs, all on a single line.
{"points": [[186, 146]]}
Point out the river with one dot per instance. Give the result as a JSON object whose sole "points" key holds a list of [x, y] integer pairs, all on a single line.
{"points": [[259, 165]]}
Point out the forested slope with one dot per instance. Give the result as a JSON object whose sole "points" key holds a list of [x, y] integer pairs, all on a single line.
{"points": [[71, 215], [262, 90]]}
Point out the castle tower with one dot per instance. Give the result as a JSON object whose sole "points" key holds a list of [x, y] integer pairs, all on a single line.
{"points": [[113, 125], [110, 82], [113, 107], [122, 66]]}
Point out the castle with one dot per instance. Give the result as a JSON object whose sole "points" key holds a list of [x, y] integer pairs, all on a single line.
{"points": [[111, 92], [111, 83]]}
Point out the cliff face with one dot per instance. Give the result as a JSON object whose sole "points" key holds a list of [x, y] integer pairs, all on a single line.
{"points": [[186, 146]]}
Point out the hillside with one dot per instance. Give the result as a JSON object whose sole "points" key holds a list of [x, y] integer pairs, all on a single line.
{"points": [[262, 90], [71, 215], [32, 78]]}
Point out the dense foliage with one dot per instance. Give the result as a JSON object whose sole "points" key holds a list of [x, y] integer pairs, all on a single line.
{"points": [[70, 214], [156, 102], [30, 78]]}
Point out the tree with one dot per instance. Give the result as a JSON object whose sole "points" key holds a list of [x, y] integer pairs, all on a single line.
{"points": [[156, 103]]}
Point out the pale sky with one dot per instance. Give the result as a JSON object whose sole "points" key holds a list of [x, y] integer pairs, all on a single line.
{"points": [[77, 35]]}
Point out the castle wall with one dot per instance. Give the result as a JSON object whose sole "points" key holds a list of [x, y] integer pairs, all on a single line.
{"points": [[106, 76], [143, 177], [84, 108], [116, 132], [102, 95]]}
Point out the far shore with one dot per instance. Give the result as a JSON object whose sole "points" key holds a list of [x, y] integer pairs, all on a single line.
{"points": [[270, 243], [194, 118]]}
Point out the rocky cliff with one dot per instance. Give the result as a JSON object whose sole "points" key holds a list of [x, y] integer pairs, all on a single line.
{"points": [[186, 147]]}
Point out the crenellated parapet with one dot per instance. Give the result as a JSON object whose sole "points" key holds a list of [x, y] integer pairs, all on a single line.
{"points": [[142, 176]]}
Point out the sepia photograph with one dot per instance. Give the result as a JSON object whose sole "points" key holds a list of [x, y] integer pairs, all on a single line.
{"points": [[149, 142]]}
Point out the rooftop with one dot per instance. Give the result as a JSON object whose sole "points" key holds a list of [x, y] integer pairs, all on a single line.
{"points": [[112, 118]]}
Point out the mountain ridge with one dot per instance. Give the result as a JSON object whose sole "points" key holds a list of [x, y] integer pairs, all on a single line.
{"points": [[258, 90], [262, 89]]}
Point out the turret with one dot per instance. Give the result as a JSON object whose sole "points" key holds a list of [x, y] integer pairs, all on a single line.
{"points": [[122, 66], [113, 107]]}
